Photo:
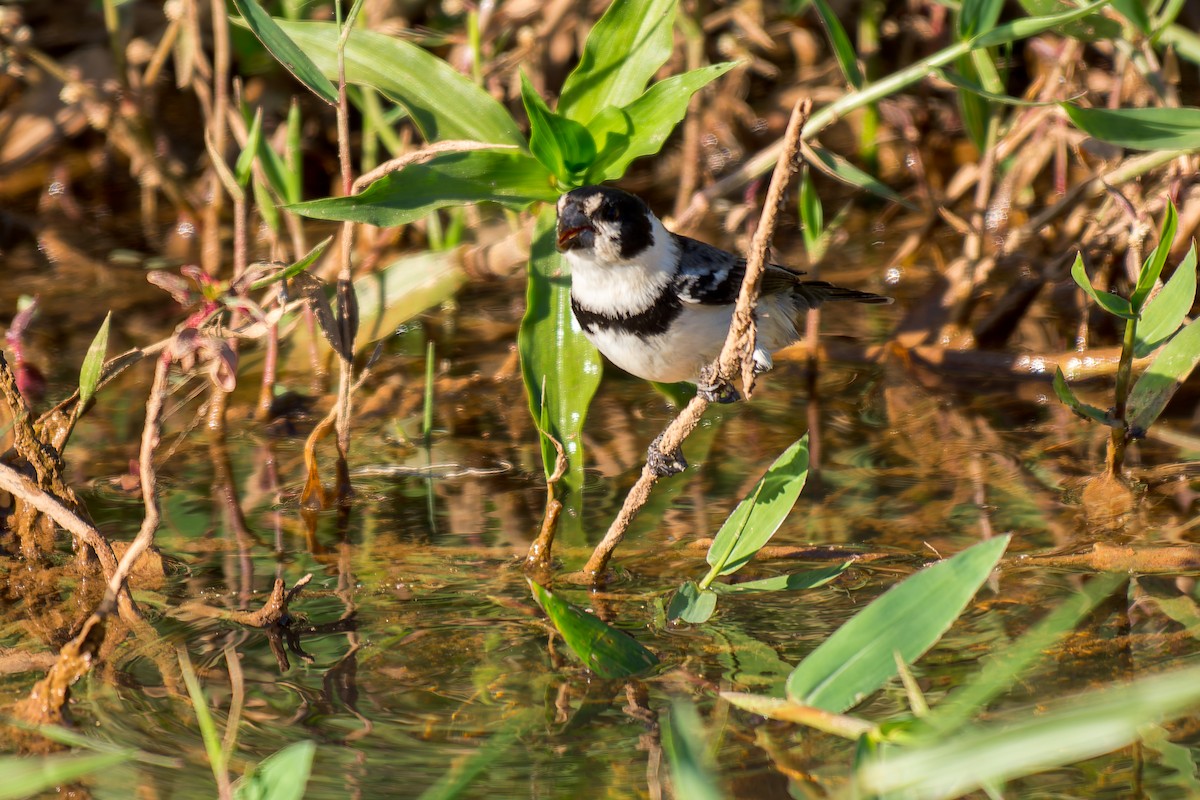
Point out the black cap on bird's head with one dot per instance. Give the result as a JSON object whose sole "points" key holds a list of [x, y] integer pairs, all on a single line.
{"points": [[603, 221]]}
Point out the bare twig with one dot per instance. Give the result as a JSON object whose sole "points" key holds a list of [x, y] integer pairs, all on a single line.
{"points": [[736, 358], [420, 157], [538, 557]]}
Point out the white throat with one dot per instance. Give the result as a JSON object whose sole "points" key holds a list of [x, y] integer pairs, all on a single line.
{"points": [[620, 287]]}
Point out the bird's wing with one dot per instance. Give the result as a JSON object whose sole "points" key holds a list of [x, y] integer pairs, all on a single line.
{"points": [[711, 276]]}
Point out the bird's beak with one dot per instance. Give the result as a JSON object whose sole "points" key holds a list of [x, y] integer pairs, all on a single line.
{"points": [[569, 237], [573, 224]]}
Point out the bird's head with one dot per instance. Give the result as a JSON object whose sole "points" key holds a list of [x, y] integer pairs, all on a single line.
{"points": [[604, 223]]}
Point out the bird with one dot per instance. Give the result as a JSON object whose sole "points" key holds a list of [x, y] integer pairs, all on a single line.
{"points": [[659, 305]]}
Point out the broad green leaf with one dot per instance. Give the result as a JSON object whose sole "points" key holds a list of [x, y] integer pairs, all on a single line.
{"points": [[444, 103], [93, 363], [791, 711], [754, 521], [1166, 311], [608, 652], [1005, 665], [280, 776], [1140, 128], [1067, 396], [292, 55], [507, 177], [640, 128], [843, 50], [623, 51], [809, 579], [560, 366], [25, 776], [1086, 725], [1090, 26], [692, 604], [693, 774], [908, 619], [1112, 303], [1155, 387], [842, 170], [978, 16], [562, 145], [1154, 263], [245, 161]]}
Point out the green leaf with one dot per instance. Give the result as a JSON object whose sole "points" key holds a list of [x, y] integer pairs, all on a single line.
{"points": [[959, 82], [507, 177], [287, 52], [1140, 128], [562, 145], [93, 363], [560, 366], [1114, 304], [978, 16], [974, 110], [640, 128], [623, 51], [1089, 26], [797, 581], [908, 619], [692, 604], [462, 773], [693, 774], [1005, 665], [296, 268], [293, 156], [1165, 312], [759, 515], [790, 711], [29, 775], [1152, 267], [812, 217], [1084, 726], [1067, 396], [843, 50], [1135, 12], [443, 103], [280, 776], [245, 162], [608, 652], [842, 170], [1155, 387]]}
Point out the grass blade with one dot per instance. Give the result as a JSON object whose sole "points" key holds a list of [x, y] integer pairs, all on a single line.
{"points": [[1156, 386], [692, 772], [1140, 128], [93, 363], [608, 652], [1153, 266], [286, 51]]}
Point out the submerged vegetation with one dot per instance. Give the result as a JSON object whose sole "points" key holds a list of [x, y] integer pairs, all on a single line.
{"points": [[943, 583]]}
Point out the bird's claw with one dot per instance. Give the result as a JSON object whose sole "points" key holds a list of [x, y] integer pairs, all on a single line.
{"points": [[714, 389], [664, 465]]}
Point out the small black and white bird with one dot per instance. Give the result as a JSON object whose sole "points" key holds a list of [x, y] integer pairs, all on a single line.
{"points": [[659, 305]]}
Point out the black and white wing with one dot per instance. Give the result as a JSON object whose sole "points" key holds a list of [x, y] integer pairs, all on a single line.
{"points": [[711, 276]]}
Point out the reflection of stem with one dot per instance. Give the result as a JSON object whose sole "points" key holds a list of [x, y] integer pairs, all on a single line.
{"points": [[1120, 433], [736, 358]]}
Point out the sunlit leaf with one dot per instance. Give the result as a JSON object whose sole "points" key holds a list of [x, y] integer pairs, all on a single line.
{"points": [[1165, 312], [843, 50], [608, 652], [560, 366], [1155, 387], [1154, 263], [797, 581], [507, 177], [842, 170], [640, 128], [1089, 26], [562, 145], [812, 217], [623, 51], [1114, 304], [1044, 18], [908, 619], [693, 774], [1140, 128], [790, 711], [25, 776], [974, 109], [978, 16], [444, 103], [296, 268], [1084, 726], [754, 521], [1067, 396], [280, 776], [692, 604], [93, 363], [293, 56], [973, 87]]}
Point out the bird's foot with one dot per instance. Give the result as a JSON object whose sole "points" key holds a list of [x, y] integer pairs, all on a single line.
{"points": [[664, 465], [715, 389]]}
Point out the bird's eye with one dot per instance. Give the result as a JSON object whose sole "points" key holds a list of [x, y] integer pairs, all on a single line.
{"points": [[606, 213]]}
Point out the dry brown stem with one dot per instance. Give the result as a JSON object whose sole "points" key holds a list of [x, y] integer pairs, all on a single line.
{"points": [[538, 557], [736, 358]]}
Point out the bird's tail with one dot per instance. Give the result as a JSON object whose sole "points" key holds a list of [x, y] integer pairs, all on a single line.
{"points": [[814, 293]]}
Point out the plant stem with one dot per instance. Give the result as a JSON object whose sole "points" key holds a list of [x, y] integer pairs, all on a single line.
{"points": [[1120, 433]]}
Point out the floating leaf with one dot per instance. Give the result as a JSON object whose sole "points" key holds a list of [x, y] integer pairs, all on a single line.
{"points": [[755, 520], [797, 581], [608, 652], [93, 363], [1165, 312], [280, 776], [692, 604], [1140, 128], [286, 51], [859, 657], [1155, 387], [1114, 304]]}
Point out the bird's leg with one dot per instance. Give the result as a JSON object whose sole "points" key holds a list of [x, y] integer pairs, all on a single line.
{"points": [[715, 389], [662, 464]]}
